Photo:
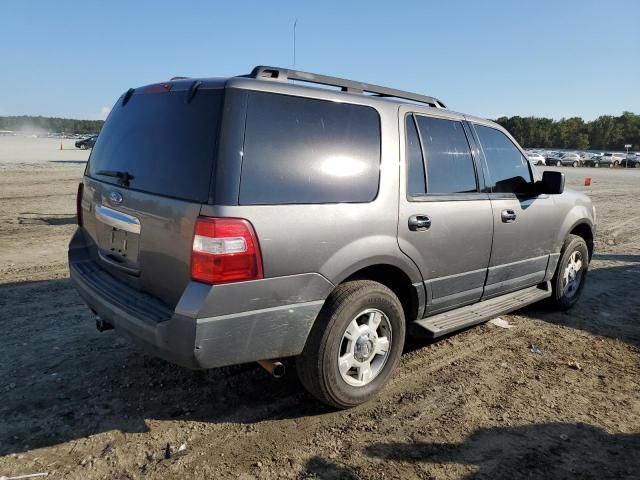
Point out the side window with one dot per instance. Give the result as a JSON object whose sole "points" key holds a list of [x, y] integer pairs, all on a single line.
{"points": [[508, 170], [416, 184], [301, 150], [447, 155]]}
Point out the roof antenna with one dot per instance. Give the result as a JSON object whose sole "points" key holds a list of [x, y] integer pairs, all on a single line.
{"points": [[294, 42]]}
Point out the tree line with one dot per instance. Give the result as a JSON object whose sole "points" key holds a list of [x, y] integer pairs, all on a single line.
{"points": [[42, 125], [604, 133]]}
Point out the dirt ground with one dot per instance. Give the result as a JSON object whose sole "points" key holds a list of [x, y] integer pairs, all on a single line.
{"points": [[479, 404]]}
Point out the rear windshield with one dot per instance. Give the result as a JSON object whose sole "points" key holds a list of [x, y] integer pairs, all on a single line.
{"points": [[165, 145]]}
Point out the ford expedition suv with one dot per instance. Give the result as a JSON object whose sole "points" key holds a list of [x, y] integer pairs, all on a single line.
{"points": [[232, 220]]}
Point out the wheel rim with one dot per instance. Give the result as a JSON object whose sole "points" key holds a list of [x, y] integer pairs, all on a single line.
{"points": [[364, 348], [572, 276]]}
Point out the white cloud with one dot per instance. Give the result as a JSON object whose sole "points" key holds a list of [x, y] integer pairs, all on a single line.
{"points": [[104, 111], [100, 114]]}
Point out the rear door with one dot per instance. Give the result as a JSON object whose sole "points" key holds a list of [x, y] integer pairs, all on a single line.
{"points": [[146, 179], [524, 223], [445, 223]]}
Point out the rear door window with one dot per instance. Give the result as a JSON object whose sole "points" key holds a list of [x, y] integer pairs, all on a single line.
{"points": [[301, 150], [165, 144], [450, 167]]}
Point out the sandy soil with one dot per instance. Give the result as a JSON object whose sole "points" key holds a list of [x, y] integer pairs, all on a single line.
{"points": [[479, 404]]}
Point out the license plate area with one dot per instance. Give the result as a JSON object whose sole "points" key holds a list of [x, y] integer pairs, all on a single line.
{"points": [[121, 244], [118, 238]]}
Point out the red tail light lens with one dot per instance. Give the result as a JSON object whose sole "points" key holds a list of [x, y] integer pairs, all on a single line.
{"points": [[225, 250], [79, 203]]}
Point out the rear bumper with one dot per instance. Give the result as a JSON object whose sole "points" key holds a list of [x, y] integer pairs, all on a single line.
{"points": [[180, 336]]}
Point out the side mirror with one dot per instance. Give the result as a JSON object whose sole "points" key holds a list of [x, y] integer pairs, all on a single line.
{"points": [[552, 183]]}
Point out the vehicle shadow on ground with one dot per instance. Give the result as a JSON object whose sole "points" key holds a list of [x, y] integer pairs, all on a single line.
{"points": [[61, 380], [553, 450], [29, 218], [607, 307]]}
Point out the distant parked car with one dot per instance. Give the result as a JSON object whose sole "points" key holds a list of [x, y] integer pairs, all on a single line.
{"points": [[570, 158], [536, 158], [632, 161], [563, 158], [616, 158], [606, 160], [87, 143], [553, 159]]}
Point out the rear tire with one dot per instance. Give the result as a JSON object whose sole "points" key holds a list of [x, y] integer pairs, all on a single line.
{"points": [[344, 336], [575, 164], [558, 163], [596, 165], [571, 273]]}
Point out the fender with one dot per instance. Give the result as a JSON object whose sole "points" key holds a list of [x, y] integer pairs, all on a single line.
{"points": [[367, 252], [578, 215]]}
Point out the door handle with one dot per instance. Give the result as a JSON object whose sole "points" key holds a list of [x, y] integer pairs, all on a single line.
{"points": [[419, 223], [508, 216]]}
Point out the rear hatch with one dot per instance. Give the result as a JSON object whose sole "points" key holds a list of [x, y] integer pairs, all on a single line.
{"points": [[148, 174]]}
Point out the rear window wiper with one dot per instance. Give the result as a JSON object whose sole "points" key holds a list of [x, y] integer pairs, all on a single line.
{"points": [[123, 177]]}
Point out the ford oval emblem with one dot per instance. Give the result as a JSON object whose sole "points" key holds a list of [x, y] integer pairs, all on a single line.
{"points": [[115, 197]]}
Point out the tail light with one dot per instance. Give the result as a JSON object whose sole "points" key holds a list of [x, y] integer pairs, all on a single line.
{"points": [[79, 203], [225, 250]]}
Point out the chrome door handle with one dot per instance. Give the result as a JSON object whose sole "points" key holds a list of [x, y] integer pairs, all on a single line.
{"points": [[418, 223], [508, 216]]}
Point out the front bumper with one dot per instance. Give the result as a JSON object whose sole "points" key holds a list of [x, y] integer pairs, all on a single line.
{"points": [[180, 336]]}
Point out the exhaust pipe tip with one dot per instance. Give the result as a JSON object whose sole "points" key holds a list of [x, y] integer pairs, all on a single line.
{"points": [[103, 326], [275, 368]]}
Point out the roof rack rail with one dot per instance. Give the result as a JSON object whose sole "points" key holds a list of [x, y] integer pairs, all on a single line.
{"points": [[179, 78], [280, 74]]}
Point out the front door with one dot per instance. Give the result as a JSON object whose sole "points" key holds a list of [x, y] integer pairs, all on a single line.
{"points": [[522, 220], [445, 222]]}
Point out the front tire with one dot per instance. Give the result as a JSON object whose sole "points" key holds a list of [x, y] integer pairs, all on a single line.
{"points": [[558, 163], [354, 346], [571, 273], [575, 164]]}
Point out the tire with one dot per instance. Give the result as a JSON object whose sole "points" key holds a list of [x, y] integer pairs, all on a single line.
{"points": [[318, 366], [616, 164], [596, 165], [637, 165], [575, 164], [565, 296], [558, 163]]}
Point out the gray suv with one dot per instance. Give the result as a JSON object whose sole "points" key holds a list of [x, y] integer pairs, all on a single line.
{"points": [[224, 221]]}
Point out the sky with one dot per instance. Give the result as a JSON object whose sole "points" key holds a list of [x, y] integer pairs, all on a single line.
{"points": [[551, 58]]}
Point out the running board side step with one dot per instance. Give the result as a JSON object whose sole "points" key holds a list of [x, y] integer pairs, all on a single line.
{"points": [[463, 317]]}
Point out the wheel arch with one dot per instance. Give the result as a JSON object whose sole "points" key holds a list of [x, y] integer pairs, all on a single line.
{"points": [[584, 230], [411, 294]]}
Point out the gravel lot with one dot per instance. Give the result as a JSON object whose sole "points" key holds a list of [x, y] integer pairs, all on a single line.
{"points": [[479, 404]]}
